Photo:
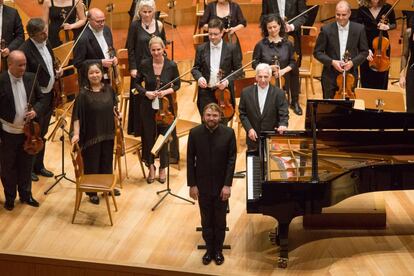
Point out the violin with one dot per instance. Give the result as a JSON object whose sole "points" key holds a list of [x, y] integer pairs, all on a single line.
{"points": [[33, 143], [66, 35], [163, 115], [345, 82], [223, 98], [381, 62], [115, 73], [228, 37], [59, 97], [280, 80], [3, 60]]}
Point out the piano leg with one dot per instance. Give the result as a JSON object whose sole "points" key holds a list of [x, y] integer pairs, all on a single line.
{"points": [[282, 240]]}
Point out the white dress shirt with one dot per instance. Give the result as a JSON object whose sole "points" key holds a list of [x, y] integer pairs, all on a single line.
{"points": [[101, 41], [343, 38], [281, 4], [261, 96], [47, 58], [215, 56], [20, 103], [1, 21]]}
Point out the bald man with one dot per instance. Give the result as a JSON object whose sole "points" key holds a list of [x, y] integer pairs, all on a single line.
{"points": [[16, 164], [93, 46], [333, 40]]}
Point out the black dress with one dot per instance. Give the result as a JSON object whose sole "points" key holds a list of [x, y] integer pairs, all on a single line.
{"points": [[370, 78], [138, 50], [56, 18], [94, 110], [234, 18], [409, 89], [265, 52], [146, 115]]}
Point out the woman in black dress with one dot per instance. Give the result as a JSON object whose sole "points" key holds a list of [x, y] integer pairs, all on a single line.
{"points": [[275, 44], [369, 14], [139, 34], [230, 13], [407, 73], [93, 124], [158, 67], [55, 12]]}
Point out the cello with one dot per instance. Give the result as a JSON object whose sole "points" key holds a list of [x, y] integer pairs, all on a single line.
{"points": [[34, 142], [381, 62], [345, 82]]}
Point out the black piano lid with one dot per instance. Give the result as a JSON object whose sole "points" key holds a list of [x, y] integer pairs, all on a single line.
{"points": [[340, 114]]}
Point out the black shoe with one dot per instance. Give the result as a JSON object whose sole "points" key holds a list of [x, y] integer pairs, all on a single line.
{"points": [[9, 205], [116, 192], [34, 177], [296, 108], [207, 258], [94, 199], [30, 201], [219, 258], [44, 172]]}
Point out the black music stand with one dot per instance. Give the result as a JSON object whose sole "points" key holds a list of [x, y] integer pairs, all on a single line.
{"points": [[166, 139], [60, 123]]}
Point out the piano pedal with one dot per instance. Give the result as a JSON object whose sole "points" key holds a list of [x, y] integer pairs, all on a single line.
{"points": [[282, 262]]}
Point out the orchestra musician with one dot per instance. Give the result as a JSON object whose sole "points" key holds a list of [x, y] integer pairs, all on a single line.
{"points": [[16, 164], [211, 58], [38, 51], [275, 44], [55, 13], [333, 40], [93, 124], [230, 13], [211, 159], [94, 45], [369, 14], [165, 70], [262, 107], [139, 34], [11, 30], [407, 72]]}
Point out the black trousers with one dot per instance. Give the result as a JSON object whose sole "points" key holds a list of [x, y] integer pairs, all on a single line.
{"points": [[213, 221], [292, 85], [16, 166], [409, 90], [44, 122], [97, 159]]}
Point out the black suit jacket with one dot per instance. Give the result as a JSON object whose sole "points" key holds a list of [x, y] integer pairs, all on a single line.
{"points": [[12, 28], [275, 111], [327, 49], [7, 106], [211, 158], [292, 9], [229, 61], [34, 58], [88, 50]]}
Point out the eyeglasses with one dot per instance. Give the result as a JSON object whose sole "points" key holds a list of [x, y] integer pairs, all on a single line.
{"points": [[99, 21]]}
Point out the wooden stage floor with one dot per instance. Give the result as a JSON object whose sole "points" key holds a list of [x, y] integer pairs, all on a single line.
{"points": [[167, 238]]}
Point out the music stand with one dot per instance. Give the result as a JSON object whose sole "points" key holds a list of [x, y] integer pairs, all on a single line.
{"points": [[165, 139], [382, 100], [61, 123]]}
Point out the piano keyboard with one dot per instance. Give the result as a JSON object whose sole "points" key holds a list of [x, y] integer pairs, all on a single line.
{"points": [[254, 186]]}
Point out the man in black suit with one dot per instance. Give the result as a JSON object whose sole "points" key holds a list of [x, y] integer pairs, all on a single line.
{"points": [[11, 30], [262, 107], [211, 159], [94, 46], [211, 58], [39, 53], [333, 41], [16, 164]]}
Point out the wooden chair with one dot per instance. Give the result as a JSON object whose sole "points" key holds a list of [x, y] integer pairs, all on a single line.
{"points": [[307, 45], [99, 183], [197, 40], [132, 145], [123, 66]]}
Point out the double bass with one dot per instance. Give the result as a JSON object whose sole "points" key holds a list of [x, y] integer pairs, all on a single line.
{"points": [[345, 82]]}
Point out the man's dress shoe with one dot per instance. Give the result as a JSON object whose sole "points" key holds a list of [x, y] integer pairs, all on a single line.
{"points": [[207, 258], [34, 177], [94, 199], [9, 205], [296, 108], [30, 201], [44, 172], [219, 258]]}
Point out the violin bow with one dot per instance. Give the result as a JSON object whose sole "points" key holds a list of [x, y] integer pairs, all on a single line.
{"points": [[33, 86], [301, 14], [69, 13], [235, 72]]}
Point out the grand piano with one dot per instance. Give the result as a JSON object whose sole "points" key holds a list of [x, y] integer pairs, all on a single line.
{"points": [[341, 153]]}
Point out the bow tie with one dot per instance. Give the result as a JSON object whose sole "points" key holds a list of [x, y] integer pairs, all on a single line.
{"points": [[215, 47]]}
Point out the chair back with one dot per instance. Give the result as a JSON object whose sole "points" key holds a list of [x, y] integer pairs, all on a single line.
{"points": [[77, 161], [308, 42], [70, 82], [242, 83]]}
